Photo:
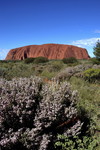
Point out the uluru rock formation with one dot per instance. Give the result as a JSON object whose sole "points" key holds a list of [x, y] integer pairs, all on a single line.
{"points": [[51, 51]]}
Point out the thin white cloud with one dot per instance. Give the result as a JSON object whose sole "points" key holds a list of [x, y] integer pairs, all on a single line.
{"points": [[3, 53], [97, 31], [86, 42]]}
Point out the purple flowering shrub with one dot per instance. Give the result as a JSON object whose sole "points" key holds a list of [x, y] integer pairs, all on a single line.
{"points": [[32, 114]]}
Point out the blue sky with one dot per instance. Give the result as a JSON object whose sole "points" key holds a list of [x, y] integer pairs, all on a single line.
{"points": [[29, 22]]}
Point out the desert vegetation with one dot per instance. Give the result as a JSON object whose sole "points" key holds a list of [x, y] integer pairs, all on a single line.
{"points": [[70, 60], [49, 104]]}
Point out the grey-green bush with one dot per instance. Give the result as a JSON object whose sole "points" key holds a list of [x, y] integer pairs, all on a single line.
{"points": [[40, 60], [92, 74], [95, 61], [69, 60], [81, 143], [68, 72], [29, 60], [33, 113], [2, 72]]}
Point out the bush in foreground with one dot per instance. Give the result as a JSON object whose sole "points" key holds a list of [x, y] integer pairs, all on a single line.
{"points": [[84, 143], [33, 113]]}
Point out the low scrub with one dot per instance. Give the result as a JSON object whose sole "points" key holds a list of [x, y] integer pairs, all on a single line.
{"points": [[10, 61], [89, 94], [2, 72], [95, 61], [92, 74], [55, 66], [68, 72], [33, 113], [29, 60], [45, 73], [40, 60], [70, 60], [76, 143], [36, 60]]}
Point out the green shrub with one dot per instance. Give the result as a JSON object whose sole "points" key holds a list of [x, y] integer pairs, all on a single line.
{"points": [[10, 61], [29, 60], [95, 61], [92, 74], [69, 60], [39, 69], [2, 72], [47, 74], [55, 66], [89, 100], [40, 60], [76, 143]]}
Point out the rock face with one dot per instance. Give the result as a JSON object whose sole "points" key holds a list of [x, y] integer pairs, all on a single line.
{"points": [[51, 51]]}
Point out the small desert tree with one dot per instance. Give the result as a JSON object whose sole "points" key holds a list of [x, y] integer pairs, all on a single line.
{"points": [[97, 50]]}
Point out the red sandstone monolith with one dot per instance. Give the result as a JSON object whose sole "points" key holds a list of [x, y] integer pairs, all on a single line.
{"points": [[51, 51]]}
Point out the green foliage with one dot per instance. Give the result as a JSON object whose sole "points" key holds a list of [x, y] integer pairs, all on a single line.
{"points": [[89, 100], [29, 60], [69, 60], [55, 66], [9, 61], [40, 60], [97, 50], [89, 92], [47, 74], [36, 60], [39, 69], [2, 72], [92, 74], [76, 143], [22, 69], [95, 61], [17, 70]]}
